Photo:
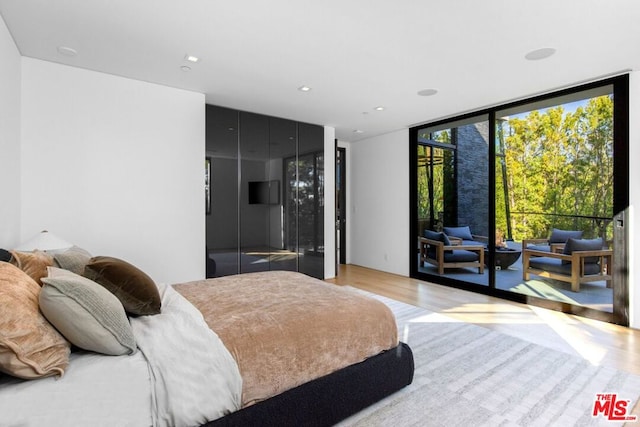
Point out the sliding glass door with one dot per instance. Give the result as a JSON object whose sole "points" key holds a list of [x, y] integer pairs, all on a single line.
{"points": [[452, 199], [550, 216], [557, 169]]}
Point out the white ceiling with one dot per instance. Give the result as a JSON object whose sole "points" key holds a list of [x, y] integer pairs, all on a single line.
{"points": [[354, 54]]}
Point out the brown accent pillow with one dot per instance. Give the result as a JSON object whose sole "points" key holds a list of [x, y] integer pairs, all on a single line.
{"points": [[29, 346], [136, 291], [33, 263]]}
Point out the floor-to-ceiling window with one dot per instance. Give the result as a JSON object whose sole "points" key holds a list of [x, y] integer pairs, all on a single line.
{"points": [[537, 191]]}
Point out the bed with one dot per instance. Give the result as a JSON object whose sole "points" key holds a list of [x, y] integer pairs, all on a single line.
{"points": [[270, 348]]}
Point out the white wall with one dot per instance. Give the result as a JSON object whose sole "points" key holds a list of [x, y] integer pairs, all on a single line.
{"points": [[634, 200], [9, 139], [114, 165], [329, 202], [378, 220]]}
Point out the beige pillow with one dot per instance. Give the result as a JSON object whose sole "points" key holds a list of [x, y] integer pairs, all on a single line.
{"points": [[73, 259], [33, 263], [87, 314], [29, 346]]}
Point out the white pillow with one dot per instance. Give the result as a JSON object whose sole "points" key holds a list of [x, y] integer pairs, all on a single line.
{"points": [[87, 314]]}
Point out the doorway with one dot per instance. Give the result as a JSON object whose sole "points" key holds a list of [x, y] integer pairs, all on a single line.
{"points": [[341, 201]]}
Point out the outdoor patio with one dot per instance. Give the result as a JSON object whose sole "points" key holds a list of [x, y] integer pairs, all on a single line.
{"points": [[593, 295]]}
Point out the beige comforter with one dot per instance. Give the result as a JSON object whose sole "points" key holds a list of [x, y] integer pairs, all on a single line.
{"points": [[285, 328]]}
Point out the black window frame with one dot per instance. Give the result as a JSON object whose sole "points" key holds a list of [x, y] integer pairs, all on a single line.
{"points": [[620, 314]]}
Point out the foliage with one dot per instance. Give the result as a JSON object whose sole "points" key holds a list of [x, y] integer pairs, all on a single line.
{"points": [[560, 169], [554, 169], [435, 167]]}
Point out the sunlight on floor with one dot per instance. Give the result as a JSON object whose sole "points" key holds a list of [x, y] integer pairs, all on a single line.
{"points": [[563, 326], [435, 318], [541, 289], [493, 314]]}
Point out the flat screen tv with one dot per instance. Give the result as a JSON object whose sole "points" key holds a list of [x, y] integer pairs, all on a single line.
{"points": [[264, 192]]}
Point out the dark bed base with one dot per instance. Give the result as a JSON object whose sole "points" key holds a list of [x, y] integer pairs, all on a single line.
{"points": [[332, 398]]}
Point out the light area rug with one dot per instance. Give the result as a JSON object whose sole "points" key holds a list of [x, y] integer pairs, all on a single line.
{"points": [[467, 375]]}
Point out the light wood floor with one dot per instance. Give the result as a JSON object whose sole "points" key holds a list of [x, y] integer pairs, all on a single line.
{"points": [[600, 343]]}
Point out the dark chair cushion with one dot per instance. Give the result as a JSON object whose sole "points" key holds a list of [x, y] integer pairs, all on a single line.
{"points": [[472, 243], [544, 248], [583, 245], [460, 255], [554, 265], [438, 237], [463, 233], [561, 236]]}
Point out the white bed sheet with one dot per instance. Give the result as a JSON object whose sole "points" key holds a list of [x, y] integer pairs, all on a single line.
{"points": [[195, 377], [95, 390], [182, 375]]}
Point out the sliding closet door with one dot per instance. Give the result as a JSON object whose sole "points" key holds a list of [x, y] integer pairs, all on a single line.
{"points": [[283, 144], [310, 204], [254, 193], [266, 203], [222, 206]]}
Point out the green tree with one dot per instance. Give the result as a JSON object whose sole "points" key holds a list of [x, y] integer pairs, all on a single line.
{"points": [[561, 169]]}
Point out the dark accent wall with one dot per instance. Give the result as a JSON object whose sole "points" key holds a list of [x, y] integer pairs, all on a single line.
{"points": [[473, 177]]}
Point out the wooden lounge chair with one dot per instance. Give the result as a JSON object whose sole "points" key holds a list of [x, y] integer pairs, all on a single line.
{"points": [[555, 242], [436, 249], [581, 261]]}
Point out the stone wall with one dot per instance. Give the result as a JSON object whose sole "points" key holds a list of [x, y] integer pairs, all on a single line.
{"points": [[473, 177]]}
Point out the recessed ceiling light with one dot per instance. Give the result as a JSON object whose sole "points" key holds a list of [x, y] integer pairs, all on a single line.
{"points": [[358, 131], [185, 68], [379, 108], [304, 88], [538, 54], [67, 51], [427, 92], [192, 58]]}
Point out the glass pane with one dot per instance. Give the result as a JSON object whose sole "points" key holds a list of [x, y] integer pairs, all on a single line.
{"points": [[554, 170], [255, 193], [310, 200], [453, 189], [282, 146], [222, 221]]}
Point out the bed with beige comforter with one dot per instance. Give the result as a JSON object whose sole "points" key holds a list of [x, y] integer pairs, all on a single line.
{"points": [[285, 329]]}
